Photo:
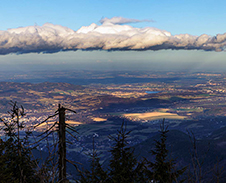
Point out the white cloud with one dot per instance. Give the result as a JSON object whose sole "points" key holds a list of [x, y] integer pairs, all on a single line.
{"points": [[50, 38], [121, 20]]}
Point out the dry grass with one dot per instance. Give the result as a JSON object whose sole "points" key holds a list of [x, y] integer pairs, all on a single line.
{"points": [[164, 109], [98, 119], [154, 115], [58, 97]]}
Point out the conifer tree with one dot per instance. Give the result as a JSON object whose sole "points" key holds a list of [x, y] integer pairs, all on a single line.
{"points": [[163, 169], [5, 172], [15, 152], [123, 166], [96, 174]]}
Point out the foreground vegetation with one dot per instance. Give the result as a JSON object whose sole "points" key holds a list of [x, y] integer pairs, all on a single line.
{"points": [[17, 163]]}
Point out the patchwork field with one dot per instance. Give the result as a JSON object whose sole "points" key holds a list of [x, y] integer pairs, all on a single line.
{"points": [[153, 116], [97, 119]]}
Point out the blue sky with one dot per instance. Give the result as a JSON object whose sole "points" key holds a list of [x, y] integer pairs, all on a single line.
{"points": [[177, 17]]}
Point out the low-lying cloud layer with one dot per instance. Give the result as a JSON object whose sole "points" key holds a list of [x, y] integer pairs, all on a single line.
{"points": [[111, 35]]}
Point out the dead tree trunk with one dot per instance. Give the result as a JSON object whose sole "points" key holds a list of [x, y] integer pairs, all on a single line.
{"points": [[62, 139], [62, 145]]}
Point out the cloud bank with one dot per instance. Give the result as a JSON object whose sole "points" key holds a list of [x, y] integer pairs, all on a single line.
{"points": [[111, 35]]}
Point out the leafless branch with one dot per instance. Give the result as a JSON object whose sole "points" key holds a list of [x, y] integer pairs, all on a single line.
{"points": [[47, 130], [72, 135], [46, 120], [71, 128]]}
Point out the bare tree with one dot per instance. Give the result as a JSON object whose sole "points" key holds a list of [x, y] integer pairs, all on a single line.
{"points": [[61, 128]]}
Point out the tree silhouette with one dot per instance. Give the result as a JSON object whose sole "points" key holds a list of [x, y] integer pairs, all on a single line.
{"points": [[96, 174], [123, 165], [163, 169], [61, 128], [16, 162]]}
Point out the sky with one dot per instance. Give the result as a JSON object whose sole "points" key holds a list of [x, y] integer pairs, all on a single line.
{"points": [[113, 35]]}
